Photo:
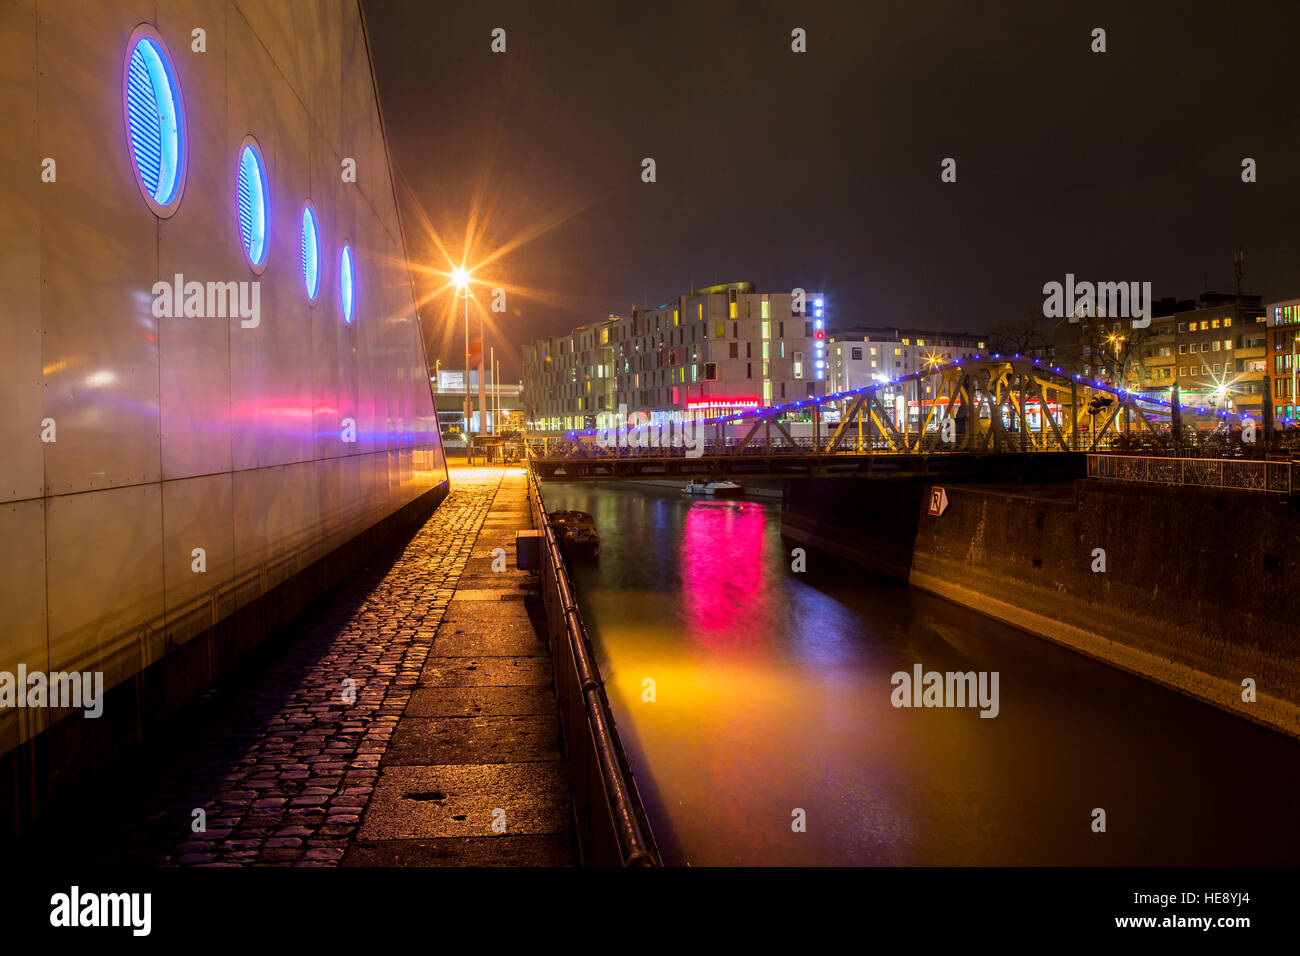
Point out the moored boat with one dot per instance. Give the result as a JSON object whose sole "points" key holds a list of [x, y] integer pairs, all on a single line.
{"points": [[715, 489], [575, 532]]}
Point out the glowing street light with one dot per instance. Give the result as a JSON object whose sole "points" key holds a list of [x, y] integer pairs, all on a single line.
{"points": [[460, 277]]}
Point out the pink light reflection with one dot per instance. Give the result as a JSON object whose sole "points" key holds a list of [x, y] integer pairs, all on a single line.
{"points": [[725, 582]]}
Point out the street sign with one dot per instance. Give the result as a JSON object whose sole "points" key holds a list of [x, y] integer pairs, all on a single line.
{"points": [[938, 501]]}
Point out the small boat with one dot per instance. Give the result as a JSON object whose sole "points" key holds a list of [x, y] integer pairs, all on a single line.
{"points": [[575, 532], [716, 489]]}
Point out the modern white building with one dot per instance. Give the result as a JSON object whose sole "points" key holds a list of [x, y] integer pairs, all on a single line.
{"points": [[712, 351], [861, 355]]}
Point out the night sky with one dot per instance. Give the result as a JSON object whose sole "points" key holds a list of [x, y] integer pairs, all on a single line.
{"points": [[822, 169]]}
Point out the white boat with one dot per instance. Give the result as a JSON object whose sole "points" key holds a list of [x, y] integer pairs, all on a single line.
{"points": [[717, 489]]}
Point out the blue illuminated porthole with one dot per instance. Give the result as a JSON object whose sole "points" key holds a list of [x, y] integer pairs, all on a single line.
{"points": [[155, 120], [346, 283], [310, 252], [251, 202]]}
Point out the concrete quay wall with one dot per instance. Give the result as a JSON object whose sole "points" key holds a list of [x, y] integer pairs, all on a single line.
{"points": [[1198, 592]]}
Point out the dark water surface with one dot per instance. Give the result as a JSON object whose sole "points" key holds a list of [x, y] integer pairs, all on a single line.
{"points": [[773, 694]]}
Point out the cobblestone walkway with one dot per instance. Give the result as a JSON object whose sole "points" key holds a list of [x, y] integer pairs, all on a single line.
{"points": [[278, 760]]}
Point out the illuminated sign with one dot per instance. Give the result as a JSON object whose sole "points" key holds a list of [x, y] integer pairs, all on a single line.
{"points": [[725, 404]]}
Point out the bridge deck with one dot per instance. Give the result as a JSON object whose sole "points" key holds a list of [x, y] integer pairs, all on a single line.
{"points": [[989, 466]]}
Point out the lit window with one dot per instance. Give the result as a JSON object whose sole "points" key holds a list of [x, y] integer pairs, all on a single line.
{"points": [[898, 351], [346, 283], [766, 308], [252, 204], [155, 121], [310, 253], [920, 341]]}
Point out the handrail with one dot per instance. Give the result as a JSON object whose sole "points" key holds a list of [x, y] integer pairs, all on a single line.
{"points": [[1239, 474], [612, 824]]}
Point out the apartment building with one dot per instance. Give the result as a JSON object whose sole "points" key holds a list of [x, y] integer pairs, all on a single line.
{"points": [[712, 351], [568, 379], [860, 355], [1213, 346], [1282, 363]]}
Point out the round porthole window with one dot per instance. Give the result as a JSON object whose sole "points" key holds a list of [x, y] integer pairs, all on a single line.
{"points": [[251, 202], [155, 121], [346, 282], [310, 252]]}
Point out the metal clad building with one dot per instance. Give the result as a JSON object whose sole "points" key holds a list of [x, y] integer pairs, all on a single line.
{"points": [[167, 462]]}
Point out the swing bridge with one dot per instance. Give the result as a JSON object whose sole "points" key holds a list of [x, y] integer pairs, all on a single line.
{"points": [[987, 417]]}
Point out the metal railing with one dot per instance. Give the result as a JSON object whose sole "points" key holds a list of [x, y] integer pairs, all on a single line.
{"points": [[1273, 477], [612, 826]]}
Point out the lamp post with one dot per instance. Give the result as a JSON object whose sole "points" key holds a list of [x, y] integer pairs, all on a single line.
{"points": [[461, 278]]}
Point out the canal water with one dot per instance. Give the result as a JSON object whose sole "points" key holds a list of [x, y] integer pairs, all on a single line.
{"points": [[772, 705]]}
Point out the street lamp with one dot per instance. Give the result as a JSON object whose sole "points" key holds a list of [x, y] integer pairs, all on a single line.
{"points": [[461, 278], [1221, 399]]}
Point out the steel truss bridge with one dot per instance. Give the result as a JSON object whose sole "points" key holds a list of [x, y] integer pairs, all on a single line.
{"points": [[986, 416]]}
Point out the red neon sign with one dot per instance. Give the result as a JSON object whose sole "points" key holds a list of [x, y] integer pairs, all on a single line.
{"points": [[726, 403]]}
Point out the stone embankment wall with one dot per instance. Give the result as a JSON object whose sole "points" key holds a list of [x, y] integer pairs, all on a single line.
{"points": [[1199, 592]]}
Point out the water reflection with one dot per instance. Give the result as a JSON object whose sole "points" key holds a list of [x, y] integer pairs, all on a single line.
{"points": [[725, 581], [771, 695]]}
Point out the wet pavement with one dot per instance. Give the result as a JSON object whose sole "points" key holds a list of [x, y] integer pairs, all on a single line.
{"points": [[406, 719]]}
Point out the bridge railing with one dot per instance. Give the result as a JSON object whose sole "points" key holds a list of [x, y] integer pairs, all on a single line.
{"points": [[986, 404], [586, 447], [1273, 477], [612, 826]]}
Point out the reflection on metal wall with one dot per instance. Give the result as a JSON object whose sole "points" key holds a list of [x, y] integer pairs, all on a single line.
{"points": [[133, 442]]}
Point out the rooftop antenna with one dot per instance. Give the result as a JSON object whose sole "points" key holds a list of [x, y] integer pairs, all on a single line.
{"points": [[1239, 267]]}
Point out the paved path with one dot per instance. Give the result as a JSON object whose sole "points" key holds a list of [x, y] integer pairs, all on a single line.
{"points": [[473, 774], [289, 770]]}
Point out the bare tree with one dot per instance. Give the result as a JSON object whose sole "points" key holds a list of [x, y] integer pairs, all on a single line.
{"points": [[1026, 334]]}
